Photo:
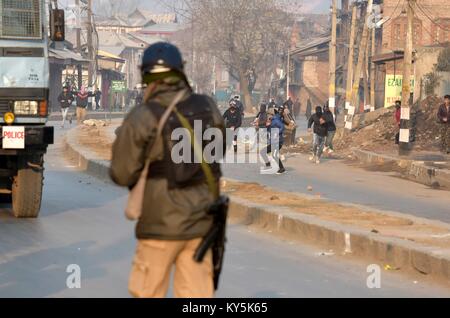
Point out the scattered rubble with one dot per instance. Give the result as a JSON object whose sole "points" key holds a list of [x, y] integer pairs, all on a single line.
{"points": [[94, 123], [93, 136], [379, 136], [330, 253]]}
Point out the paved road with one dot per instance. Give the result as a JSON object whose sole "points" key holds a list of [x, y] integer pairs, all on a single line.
{"points": [[82, 223], [338, 181]]}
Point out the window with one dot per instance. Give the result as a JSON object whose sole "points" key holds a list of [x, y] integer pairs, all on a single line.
{"points": [[225, 76], [20, 19], [441, 31], [399, 30], [397, 34], [417, 31]]}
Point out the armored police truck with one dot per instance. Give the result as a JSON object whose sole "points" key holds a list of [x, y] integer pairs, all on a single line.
{"points": [[24, 91]]}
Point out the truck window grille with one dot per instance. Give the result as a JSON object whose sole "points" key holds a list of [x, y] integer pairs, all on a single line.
{"points": [[4, 106], [20, 19]]}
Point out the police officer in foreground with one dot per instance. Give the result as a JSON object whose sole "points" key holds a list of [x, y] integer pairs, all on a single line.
{"points": [[177, 211]]}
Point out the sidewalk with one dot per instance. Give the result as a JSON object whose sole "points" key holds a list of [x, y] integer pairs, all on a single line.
{"points": [[401, 241]]}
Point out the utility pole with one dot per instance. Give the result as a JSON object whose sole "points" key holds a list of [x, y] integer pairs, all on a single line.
{"points": [[405, 125], [288, 74], [79, 67], [344, 18], [355, 91], [214, 76], [366, 80], [332, 58], [372, 72], [90, 44], [193, 52], [350, 63]]}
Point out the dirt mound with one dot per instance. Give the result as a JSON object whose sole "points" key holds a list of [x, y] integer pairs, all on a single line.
{"points": [[427, 126], [95, 139], [379, 136]]}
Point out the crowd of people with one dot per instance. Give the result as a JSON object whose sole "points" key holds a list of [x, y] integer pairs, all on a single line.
{"points": [[323, 125], [278, 120], [84, 99], [272, 116]]}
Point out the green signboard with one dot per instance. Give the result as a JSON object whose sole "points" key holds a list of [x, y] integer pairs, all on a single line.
{"points": [[118, 86]]}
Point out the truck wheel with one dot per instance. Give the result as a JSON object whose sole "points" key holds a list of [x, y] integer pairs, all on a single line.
{"points": [[27, 193]]}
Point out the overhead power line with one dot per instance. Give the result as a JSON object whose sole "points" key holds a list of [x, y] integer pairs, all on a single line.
{"points": [[392, 17], [431, 19]]}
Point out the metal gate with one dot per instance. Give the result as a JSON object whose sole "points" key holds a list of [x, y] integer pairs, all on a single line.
{"points": [[21, 19]]}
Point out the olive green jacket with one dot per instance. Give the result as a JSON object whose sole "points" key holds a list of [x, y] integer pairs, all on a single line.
{"points": [[179, 214]]}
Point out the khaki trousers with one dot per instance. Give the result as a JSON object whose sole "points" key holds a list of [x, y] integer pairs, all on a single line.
{"points": [[81, 114], [153, 265]]}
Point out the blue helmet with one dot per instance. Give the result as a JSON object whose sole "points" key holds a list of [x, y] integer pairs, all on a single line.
{"points": [[162, 57]]}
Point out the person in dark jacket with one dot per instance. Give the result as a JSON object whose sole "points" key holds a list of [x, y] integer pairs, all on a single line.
{"points": [[98, 97], [290, 128], [178, 196], [65, 100], [82, 103], [444, 118], [239, 104], [261, 117], [320, 134], [272, 104], [331, 127], [233, 121], [275, 128]]}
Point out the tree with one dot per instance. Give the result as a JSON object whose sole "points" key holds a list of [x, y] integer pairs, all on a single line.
{"points": [[443, 64], [245, 35], [432, 81]]}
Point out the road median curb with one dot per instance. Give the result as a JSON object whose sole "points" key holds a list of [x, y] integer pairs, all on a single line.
{"points": [[91, 115], [413, 170], [398, 253], [86, 160]]}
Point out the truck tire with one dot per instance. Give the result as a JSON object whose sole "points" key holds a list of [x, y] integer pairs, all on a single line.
{"points": [[27, 193]]}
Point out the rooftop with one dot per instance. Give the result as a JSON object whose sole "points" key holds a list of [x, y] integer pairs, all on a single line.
{"points": [[162, 28], [313, 46], [67, 56], [139, 18]]}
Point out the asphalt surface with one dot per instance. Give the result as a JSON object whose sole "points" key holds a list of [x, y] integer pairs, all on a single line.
{"points": [[82, 223], [339, 181]]}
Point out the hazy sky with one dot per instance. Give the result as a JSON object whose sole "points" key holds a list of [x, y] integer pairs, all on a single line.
{"points": [[309, 6], [147, 4]]}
